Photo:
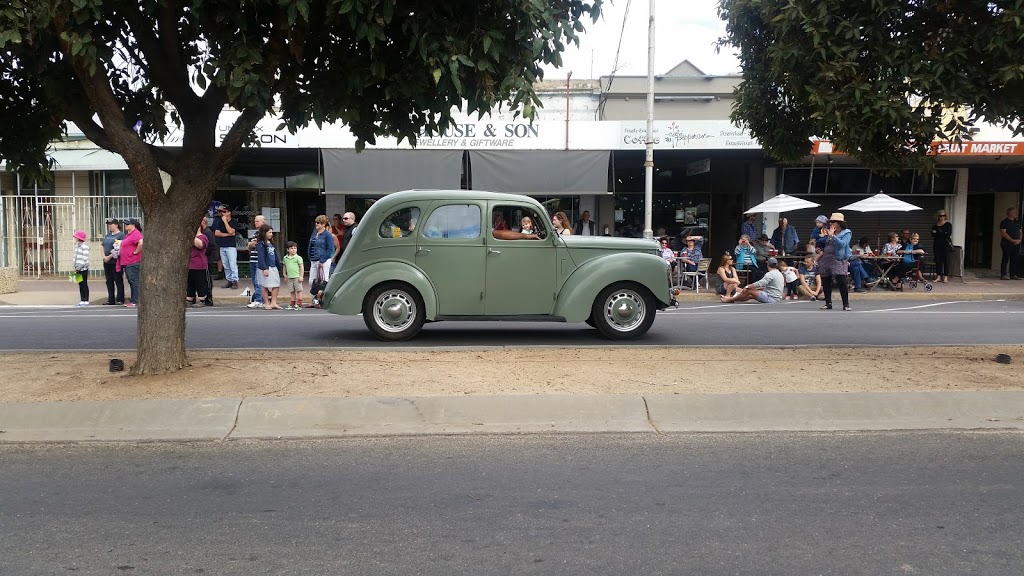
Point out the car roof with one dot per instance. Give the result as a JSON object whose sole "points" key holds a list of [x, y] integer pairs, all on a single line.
{"points": [[429, 194]]}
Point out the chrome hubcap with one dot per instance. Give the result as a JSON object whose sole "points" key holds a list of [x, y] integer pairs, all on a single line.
{"points": [[625, 310], [394, 310]]}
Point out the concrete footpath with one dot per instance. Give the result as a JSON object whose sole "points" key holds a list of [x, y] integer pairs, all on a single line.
{"points": [[273, 418], [975, 285]]}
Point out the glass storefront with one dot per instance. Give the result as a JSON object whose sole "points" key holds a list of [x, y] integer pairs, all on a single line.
{"points": [[673, 215]]}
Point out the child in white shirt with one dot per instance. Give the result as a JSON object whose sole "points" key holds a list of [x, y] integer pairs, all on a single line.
{"points": [[792, 281]]}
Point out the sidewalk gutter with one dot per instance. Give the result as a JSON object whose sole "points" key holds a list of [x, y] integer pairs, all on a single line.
{"points": [[233, 418]]}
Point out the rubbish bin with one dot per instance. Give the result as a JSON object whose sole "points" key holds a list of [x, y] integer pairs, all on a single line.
{"points": [[956, 262]]}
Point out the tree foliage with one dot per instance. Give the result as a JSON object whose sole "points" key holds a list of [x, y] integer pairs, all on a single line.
{"points": [[882, 79], [126, 72]]}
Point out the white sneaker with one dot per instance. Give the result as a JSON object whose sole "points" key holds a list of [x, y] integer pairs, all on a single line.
{"points": [[80, 304], [254, 305]]}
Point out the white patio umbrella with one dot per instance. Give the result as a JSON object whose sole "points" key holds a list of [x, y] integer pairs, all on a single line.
{"points": [[880, 203], [782, 203]]}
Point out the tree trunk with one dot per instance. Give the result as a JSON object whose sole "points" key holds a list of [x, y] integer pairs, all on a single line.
{"points": [[168, 231]]}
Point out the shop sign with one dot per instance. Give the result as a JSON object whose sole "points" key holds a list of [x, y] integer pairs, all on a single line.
{"points": [[698, 167], [944, 148], [686, 135]]}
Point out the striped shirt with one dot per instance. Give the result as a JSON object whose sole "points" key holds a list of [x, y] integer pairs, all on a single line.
{"points": [[81, 261]]}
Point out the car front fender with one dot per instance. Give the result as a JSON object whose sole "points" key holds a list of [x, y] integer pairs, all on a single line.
{"points": [[576, 298], [347, 298]]}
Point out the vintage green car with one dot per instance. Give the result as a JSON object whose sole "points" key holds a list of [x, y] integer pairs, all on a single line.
{"points": [[429, 255]]}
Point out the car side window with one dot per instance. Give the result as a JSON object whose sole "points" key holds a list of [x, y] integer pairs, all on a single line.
{"points": [[518, 218], [399, 223], [453, 221]]}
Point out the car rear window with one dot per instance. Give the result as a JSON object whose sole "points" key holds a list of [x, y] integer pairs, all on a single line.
{"points": [[399, 223]]}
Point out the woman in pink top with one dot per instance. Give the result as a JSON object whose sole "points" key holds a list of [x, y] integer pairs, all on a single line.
{"points": [[197, 268], [130, 259]]}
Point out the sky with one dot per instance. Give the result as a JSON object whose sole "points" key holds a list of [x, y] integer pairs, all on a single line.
{"points": [[684, 30]]}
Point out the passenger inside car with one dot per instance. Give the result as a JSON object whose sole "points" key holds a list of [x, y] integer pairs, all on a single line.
{"points": [[530, 223]]}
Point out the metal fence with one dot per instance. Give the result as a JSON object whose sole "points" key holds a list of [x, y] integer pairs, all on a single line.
{"points": [[37, 231]]}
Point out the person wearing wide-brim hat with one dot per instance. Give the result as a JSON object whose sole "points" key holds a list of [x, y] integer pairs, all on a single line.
{"points": [[833, 265]]}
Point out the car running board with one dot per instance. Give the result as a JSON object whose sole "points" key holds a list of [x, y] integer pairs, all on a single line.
{"points": [[508, 318]]}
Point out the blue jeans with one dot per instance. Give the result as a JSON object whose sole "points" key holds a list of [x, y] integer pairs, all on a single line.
{"points": [[131, 273], [857, 271], [229, 256], [257, 292]]}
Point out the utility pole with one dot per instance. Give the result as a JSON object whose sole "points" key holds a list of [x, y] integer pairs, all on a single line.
{"points": [[649, 159]]}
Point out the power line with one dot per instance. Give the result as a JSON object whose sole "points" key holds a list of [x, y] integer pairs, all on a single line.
{"points": [[615, 65]]}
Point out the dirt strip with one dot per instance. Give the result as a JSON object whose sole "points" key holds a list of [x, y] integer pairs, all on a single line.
{"points": [[322, 373]]}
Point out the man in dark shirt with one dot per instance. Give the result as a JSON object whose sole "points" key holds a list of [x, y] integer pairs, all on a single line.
{"points": [[1009, 241], [115, 278], [224, 230]]}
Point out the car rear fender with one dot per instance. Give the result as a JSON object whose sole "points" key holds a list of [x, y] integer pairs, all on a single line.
{"points": [[577, 295], [347, 299]]}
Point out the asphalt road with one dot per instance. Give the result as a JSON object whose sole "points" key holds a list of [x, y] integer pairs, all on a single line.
{"points": [[887, 323], [943, 503]]}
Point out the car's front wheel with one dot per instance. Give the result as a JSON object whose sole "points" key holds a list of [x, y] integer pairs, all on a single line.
{"points": [[623, 311], [393, 311]]}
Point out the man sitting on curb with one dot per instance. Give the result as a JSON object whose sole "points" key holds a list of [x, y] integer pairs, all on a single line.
{"points": [[767, 290]]}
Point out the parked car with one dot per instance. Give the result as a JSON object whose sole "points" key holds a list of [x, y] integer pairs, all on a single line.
{"points": [[432, 255]]}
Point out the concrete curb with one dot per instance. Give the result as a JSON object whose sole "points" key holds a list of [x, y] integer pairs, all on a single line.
{"points": [[232, 418], [837, 411], [126, 420]]}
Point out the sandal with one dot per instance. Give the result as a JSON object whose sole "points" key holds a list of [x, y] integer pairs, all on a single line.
{"points": [[826, 307]]}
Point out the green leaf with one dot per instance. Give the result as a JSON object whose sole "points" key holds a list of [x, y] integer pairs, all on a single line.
{"points": [[437, 75]]}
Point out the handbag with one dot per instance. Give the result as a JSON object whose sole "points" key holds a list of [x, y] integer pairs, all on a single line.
{"points": [[319, 284]]}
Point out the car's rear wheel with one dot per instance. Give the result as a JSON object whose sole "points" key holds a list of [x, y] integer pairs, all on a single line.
{"points": [[623, 311], [393, 311]]}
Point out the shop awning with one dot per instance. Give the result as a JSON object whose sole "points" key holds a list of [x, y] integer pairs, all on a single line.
{"points": [[540, 171], [83, 159], [347, 171]]}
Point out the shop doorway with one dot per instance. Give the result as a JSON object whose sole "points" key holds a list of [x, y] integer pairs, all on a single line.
{"points": [[978, 233], [303, 208]]}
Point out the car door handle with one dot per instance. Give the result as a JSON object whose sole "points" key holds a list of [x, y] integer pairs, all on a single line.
{"points": [[418, 250], [493, 251]]}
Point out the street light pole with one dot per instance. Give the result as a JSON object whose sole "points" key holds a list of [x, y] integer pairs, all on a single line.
{"points": [[649, 158]]}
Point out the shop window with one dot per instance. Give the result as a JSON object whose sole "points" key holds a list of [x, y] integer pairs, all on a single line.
{"points": [[400, 223], [118, 183], [847, 181], [36, 187], [901, 183], [453, 221], [796, 181]]}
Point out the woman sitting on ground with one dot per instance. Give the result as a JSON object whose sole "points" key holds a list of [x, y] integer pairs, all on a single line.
{"points": [[727, 274]]}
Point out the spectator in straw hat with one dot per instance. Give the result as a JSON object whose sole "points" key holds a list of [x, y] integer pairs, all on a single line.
{"points": [[833, 265]]}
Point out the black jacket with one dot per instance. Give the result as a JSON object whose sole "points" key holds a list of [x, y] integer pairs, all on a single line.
{"points": [[578, 229], [346, 238]]}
